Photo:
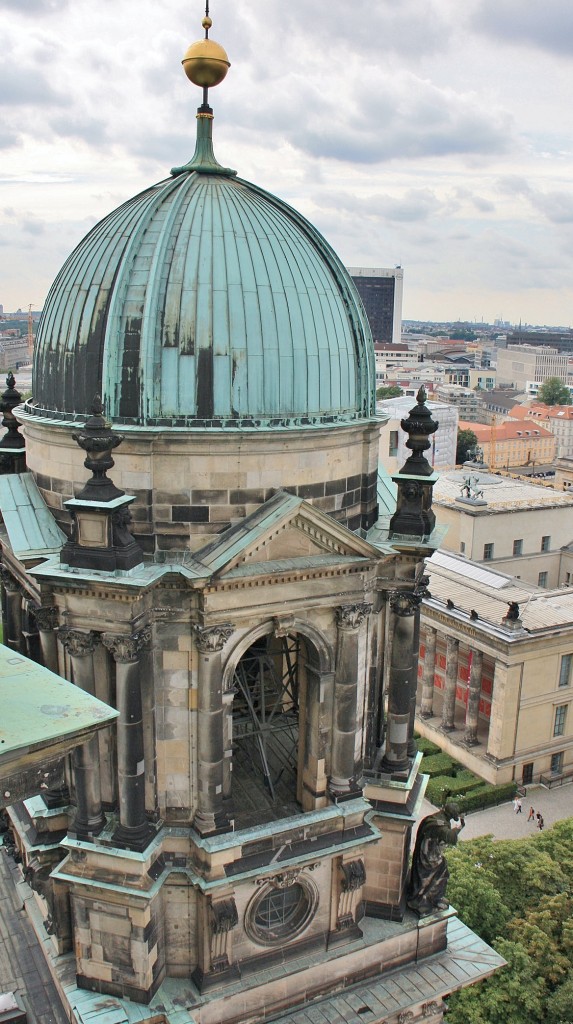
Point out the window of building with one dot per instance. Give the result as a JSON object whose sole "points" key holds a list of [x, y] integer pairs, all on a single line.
{"points": [[559, 723], [487, 552], [393, 443], [545, 543], [462, 547], [557, 763], [518, 547], [542, 579], [565, 670]]}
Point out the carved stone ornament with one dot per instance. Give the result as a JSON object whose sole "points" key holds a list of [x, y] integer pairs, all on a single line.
{"points": [[210, 639], [126, 648], [46, 617], [354, 875], [403, 602], [284, 624], [76, 643], [8, 581], [405, 1016], [351, 616], [430, 1009], [224, 916]]}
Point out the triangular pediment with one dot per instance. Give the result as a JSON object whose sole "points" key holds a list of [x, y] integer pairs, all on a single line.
{"points": [[288, 530]]}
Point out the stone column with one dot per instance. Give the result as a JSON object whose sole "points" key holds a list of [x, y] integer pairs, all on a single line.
{"points": [[427, 706], [472, 709], [349, 619], [412, 745], [89, 819], [403, 606], [134, 830], [46, 618], [449, 705], [13, 605], [210, 816]]}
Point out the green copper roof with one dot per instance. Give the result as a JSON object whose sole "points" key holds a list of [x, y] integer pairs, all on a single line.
{"points": [[30, 526], [43, 718], [205, 302]]}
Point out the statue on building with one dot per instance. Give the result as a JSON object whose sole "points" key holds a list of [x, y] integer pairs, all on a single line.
{"points": [[429, 873]]}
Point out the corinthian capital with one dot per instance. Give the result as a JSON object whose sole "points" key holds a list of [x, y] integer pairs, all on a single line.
{"points": [[126, 648], [351, 616], [210, 639], [46, 617], [8, 581], [76, 643]]}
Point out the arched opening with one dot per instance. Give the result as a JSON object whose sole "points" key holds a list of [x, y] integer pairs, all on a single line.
{"points": [[275, 686]]}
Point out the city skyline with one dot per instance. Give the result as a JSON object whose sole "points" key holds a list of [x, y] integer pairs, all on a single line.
{"points": [[434, 138]]}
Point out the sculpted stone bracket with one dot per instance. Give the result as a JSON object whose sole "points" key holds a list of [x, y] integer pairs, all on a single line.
{"points": [[404, 602], [223, 918], [354, 875], [126, 649], [351, 616], [210, 639], [77, 643], [284, 624], [353, 878]]}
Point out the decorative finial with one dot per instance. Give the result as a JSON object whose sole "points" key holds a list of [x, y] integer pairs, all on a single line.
{"points": [[98, 441], [205, 62]]}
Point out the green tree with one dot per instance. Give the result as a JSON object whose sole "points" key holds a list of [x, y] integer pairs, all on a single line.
{"points": [[388, 391], [483, 911], [514, 995], [466, 440], [559, 1008], [554, 392]]}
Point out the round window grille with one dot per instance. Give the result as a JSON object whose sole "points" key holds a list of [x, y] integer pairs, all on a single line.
{"points": [[279, 913]]}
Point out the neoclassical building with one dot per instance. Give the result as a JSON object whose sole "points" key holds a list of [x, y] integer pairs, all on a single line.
{"points": [[219, 566], [495, 674]]}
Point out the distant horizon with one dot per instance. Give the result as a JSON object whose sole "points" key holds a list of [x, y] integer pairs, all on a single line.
{"points": [[408, 134]]}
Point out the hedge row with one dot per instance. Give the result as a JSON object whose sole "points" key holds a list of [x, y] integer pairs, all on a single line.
{"points": [[427, 747], [482, 795], [438, 764], [486, 796], [445, 785]]}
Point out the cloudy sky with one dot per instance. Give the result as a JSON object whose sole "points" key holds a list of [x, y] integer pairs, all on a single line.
{"points": [[435, 134]]}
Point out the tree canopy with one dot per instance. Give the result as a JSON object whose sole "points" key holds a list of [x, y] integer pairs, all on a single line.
{"points": [[466, 442], [518, 896], [554, 392], [388, 391]]}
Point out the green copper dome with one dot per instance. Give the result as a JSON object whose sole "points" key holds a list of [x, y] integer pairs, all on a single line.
{"points": [[205, 302]]}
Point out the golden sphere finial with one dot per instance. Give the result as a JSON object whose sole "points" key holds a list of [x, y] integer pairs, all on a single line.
{"points": [[205, 62]]}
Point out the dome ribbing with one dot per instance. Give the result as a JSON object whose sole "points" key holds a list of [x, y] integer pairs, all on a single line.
{"points": [[205, 301]]}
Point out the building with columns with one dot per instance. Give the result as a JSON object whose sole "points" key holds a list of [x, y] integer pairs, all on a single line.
{"points": [[236, 847], [495, 676]]}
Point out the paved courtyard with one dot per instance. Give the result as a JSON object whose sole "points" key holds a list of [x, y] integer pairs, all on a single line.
{"points": [[503, 823]]}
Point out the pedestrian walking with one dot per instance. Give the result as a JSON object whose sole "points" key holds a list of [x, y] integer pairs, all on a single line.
{"points": [[540, 821], [517, 805], [531, 814]]}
